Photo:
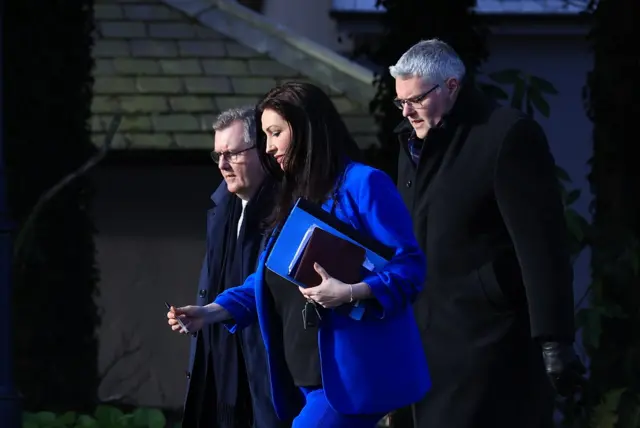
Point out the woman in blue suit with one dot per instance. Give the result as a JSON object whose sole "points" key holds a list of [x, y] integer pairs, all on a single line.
{"points": [[344, 372]]}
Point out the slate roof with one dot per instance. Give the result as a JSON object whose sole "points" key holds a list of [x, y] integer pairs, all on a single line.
{"points": [[170, 65]]}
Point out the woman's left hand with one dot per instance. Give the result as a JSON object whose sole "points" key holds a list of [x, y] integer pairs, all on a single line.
{"points": [[330, 293]]}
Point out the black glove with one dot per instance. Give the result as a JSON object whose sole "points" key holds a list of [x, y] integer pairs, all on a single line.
{"points": [[564, 368]]}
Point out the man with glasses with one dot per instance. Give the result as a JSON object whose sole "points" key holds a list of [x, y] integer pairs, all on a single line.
{"points": [[496, 314], [228, 386]]}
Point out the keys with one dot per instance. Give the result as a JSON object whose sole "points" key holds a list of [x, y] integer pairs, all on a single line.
{"points": [[310, 315]]}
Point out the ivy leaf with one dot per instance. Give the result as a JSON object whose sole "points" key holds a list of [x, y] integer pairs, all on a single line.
{"points": [[45, 417], [572, 196], [538, 102], [562, 175], [597, 285], [613, 311], [589, 320], [575, 224], [506, 77], [29, 417], [86, 421], [563, 193], [529, 110], [68, 418], [107, 414], [605, 414], [156, 419], [493, 91], [519, 90], [634, 417], [543, 85], [152, 418]]}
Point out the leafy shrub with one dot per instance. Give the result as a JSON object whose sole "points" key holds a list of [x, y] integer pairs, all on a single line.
{"points": [[103, 417]]}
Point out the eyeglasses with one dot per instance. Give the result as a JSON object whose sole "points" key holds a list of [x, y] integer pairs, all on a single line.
{"points": [[415, 102], [229, 156]]}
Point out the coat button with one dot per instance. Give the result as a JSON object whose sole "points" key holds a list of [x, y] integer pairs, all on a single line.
{"points": [[202, 293], [187, 374], [408, 184]]}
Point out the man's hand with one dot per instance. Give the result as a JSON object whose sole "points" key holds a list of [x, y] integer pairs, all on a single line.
{"points": [[195, 317], [191, 317], [563, 367]]}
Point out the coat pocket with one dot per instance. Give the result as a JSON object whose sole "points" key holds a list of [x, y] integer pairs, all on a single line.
{"points": [[491, 287]]}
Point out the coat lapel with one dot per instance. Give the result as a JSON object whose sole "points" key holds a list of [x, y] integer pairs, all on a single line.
{"points": [[443, 162], [216, 226], [439, 153]]}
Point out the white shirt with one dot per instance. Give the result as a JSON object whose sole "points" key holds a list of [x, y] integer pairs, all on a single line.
{"points": [[244, 205]]}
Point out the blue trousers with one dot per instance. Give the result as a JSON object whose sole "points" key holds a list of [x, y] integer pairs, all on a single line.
{"points": [[317, 413]]}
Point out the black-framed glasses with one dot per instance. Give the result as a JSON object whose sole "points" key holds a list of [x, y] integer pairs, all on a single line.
{"points": [[415, 102], [229, 156]]}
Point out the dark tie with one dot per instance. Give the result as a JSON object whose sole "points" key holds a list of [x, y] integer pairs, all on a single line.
{"points": [[415, 148]]}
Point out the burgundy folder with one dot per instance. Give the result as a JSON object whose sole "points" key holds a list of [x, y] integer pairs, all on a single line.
{"points": [[341, 259]]}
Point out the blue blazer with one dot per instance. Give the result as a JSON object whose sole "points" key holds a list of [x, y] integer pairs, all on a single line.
{"points": [[369, 366]]}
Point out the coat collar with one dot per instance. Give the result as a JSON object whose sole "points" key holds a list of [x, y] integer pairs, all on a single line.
{"points": [[267, 190], [403, 127], [220, 193]]}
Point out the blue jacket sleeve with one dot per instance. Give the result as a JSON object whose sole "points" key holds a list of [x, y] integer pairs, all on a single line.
{"points": [[387, 219], [241, 302]]}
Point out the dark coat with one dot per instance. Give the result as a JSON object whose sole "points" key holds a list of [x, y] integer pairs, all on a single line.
{"points": [[251, 341], [487, 212]]}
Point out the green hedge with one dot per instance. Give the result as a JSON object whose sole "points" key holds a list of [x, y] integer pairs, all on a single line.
{"points": [[103, 417]]}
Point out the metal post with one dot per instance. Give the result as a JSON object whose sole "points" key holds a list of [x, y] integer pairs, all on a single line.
{"points": [[10, 413]]}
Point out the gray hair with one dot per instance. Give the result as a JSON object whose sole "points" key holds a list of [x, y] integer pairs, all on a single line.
{"points": [[432, 59], [246, 114]]}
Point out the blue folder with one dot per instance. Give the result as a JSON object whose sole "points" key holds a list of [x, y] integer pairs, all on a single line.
{"points": [[303, 218]]}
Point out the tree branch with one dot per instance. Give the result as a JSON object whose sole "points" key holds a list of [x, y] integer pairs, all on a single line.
{"points": [[126, 350], [27, 228]]}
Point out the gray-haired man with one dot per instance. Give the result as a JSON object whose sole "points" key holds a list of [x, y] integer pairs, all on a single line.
{"points": [[497, 310], [228, 386]]}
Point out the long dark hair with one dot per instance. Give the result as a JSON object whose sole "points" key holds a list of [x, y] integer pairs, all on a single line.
{"points": [[320, 149]]}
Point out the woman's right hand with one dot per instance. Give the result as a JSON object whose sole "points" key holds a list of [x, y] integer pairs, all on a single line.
{"points": [[193, 318]]}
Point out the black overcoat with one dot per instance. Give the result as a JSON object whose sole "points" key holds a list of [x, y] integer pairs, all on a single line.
{"points": [[253, 350], [487, 212]]}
